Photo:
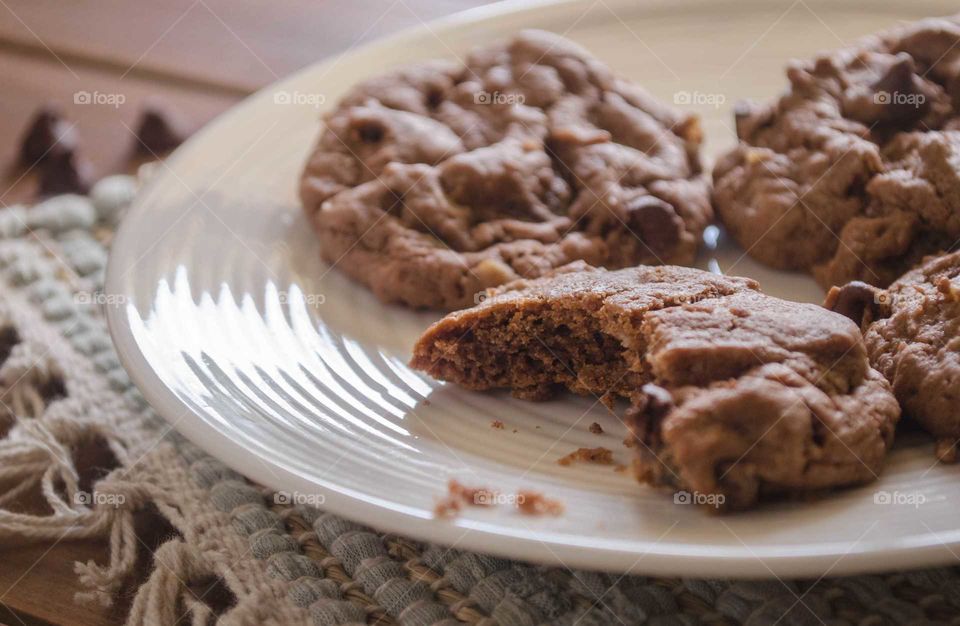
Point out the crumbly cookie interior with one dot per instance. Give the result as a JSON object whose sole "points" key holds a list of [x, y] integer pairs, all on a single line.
{"points": [[535, 352]]}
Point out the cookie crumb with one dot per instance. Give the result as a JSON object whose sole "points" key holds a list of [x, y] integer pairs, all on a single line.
{"points": [[533, 503], [620, 469], [458, 495], [447, 508], [596, 428], [600, 456], [474, 496], [515, 430], [497, 424], [630, 442]]}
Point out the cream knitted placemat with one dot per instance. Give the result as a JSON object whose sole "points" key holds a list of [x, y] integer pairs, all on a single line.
{"points": [[63, 389]]}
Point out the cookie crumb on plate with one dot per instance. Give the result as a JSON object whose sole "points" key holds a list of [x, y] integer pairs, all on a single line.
{"points": [[533, 503], [600, 456], [459, 494]]}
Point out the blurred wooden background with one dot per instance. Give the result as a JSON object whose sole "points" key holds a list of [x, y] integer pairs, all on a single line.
{"points": [[195, 58]]}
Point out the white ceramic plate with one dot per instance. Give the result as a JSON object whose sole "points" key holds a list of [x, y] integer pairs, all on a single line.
{"points": [[288, 372]]}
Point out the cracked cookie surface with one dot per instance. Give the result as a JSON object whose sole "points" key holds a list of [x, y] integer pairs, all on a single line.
{"points": [[852, 173], [912, 334], [733, 392], [435, 182]]}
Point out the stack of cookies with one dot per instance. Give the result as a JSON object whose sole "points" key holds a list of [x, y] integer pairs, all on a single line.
{"points": [[555, 205]]}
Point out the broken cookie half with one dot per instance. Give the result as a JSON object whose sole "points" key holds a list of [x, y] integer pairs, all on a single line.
{"points": [[734, 394]]}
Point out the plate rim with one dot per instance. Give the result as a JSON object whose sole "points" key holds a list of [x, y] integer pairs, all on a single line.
{"points": [[648, 557]]}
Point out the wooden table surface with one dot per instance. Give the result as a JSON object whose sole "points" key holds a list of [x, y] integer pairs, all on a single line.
{"points": [[195, 58]]}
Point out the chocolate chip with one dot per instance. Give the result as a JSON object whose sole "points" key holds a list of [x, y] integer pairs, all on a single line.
{"points": [[370, 132], [652, 403], [649, 407], [62, 171], [659, 401], [391, 202], [655, 222], [898, 93], [898, 77], [47, 133], [858, 301], [156, 133], [434, 98]]}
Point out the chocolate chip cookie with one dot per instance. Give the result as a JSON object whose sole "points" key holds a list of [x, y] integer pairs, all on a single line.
{"points": [[912, 333], [852, 173], [734, 393], [436, 181]]}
